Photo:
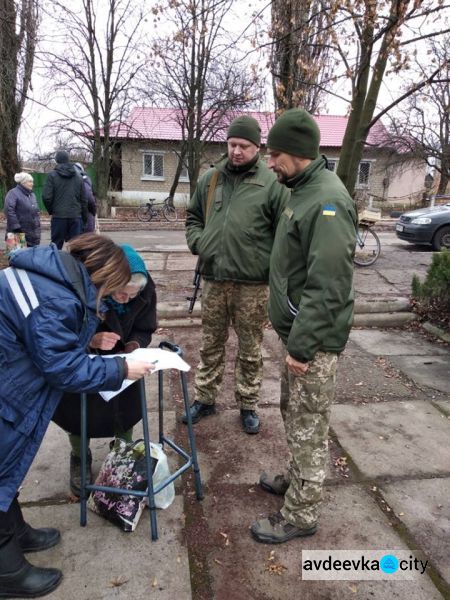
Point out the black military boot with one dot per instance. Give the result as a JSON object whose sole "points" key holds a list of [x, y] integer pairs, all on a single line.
{"points": [[250, 421], [20, 579], [75, 472], [30, 539], [198, 411]]}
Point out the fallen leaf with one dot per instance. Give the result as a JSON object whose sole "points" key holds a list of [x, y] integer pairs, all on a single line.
{"points": [[118, 581], [401, 514], [353, 588], [217, 561], [155, 582], [225, 535]]}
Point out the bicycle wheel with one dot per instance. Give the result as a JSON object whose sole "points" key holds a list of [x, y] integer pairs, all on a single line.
{"points": [[170, 213], [145, 212], [368, 247]]}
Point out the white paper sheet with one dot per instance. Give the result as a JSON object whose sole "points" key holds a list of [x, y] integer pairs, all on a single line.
{"points": [[161, 359]]}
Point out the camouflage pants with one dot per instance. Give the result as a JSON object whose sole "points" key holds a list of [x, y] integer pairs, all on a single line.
{"points": [[243, 306], [305, 404]]}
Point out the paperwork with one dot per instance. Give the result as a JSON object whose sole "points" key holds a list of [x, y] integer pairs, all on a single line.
{"points": [[160, 359]]}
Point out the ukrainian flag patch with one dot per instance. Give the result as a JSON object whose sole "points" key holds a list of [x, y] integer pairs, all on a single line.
{"points": [[329, 210]]}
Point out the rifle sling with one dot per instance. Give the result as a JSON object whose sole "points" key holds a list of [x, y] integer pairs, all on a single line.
{"points": [[211, 190]]}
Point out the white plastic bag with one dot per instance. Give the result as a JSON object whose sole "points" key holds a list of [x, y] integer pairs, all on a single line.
{"points": [[165, 497]]}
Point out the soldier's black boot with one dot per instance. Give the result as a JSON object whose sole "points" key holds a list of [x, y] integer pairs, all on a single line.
{"points": [[250, 421], [198, 411]]}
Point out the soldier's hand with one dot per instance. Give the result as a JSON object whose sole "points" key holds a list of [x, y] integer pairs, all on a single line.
{"points": [[295, 366]]}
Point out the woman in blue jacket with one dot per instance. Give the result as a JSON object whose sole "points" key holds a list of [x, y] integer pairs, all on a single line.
{"points": [[50, 305], [22, 210]]}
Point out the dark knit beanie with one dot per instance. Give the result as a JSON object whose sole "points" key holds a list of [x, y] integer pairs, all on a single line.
{"points": [[62, 157], [296, 133], [137, 265], [247, 128]]}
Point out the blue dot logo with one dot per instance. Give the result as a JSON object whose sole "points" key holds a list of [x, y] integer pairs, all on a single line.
{"points": [[389, 564]]}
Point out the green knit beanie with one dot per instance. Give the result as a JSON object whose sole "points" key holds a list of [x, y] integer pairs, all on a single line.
{"points": [[296, 133], [246, 128]]}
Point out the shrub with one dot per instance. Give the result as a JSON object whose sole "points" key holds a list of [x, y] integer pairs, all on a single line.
{"points": [[432, 297]]}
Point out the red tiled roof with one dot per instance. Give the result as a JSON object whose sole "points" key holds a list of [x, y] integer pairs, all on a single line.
{"points": [[162, 124]]}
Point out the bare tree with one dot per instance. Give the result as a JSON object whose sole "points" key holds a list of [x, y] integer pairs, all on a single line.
{"points": [[379, 29], [93, 72], [301, 57], [374, 39], [195, 70], [423, 126], [18, 33]]}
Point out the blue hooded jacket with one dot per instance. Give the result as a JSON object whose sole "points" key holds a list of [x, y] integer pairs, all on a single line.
{"points": [[47, 318]]}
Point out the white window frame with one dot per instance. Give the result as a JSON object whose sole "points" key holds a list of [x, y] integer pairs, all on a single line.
{"points": [[150, 177]]}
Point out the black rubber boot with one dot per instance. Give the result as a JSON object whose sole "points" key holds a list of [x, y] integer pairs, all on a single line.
{"points": [[75, 472], [20, 579], [30, 539]]}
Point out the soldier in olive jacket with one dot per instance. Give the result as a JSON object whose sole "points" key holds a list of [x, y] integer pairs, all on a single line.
{"points": [[232, 228], [311, 309]]}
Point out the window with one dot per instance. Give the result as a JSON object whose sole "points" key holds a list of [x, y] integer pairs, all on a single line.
{"points": [[184, 175], [153, 167], [332, 164], [363, 173]]}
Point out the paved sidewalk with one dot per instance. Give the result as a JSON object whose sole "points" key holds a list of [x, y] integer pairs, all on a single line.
{"points": [[388, 485]]}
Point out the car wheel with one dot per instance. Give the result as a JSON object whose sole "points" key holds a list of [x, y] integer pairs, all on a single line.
{"points": [[442, 238]]}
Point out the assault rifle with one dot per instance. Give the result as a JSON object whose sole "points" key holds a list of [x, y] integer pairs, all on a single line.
{"points": [[196, 285]]}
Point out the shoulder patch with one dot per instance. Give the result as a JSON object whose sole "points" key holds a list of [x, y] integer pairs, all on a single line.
{"points": [[329, 210]]}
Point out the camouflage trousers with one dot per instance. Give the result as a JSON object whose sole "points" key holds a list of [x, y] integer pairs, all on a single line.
{"points": [[244, 306], [305, 404]]}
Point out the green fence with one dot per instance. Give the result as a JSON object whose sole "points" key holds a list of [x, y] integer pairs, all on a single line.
{"points": [[39, 181]]}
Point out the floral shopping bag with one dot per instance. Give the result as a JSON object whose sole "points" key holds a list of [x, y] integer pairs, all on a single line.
{"points": [[124, 467]]}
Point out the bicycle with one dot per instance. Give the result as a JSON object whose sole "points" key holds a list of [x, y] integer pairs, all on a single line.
{"points": [[147, 211], [368, 246]]}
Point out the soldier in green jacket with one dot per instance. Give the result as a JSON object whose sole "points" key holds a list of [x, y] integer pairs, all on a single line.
{"points": [[231, 222], [311, 308]]}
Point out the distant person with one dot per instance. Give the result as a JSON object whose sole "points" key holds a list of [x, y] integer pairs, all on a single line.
{"points": [[311, 309], [22, 210], [230, 224], [65, 200], [51, 302], [90, 197]]}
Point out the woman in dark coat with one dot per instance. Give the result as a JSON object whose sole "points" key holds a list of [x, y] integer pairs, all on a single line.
{"points": [[129, 323], [50, 305], [22, 211], [89, 194]]}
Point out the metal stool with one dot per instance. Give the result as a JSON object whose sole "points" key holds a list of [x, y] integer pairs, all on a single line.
{"points": [[190, 459]]}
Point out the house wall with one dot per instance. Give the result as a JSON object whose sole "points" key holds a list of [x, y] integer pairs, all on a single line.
{"points": [[138, 188], [389, 183]]}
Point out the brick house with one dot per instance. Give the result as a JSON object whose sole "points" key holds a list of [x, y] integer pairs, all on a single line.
{"points": [[146, 159]]}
